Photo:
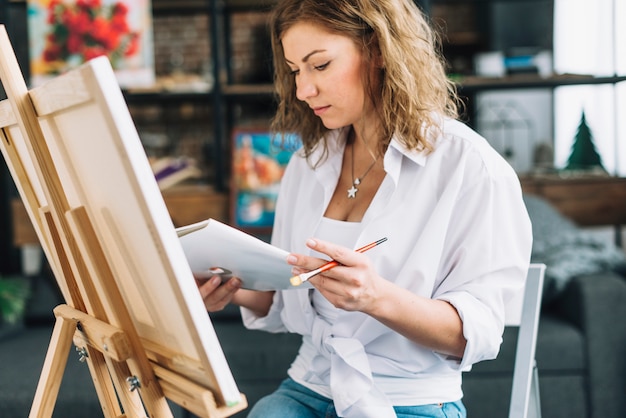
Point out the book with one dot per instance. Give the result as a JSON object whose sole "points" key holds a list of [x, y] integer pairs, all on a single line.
{"points": [[169, 171], [212, 247]]}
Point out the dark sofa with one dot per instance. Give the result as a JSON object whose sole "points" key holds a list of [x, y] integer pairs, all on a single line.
{"points": [[581, 346], [581, 341]]}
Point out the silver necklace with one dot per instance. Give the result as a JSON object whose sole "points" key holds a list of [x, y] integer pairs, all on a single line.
{"points": [[356, 181]]}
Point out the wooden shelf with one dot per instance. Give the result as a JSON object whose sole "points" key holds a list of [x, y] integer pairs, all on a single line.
{"points": [[247, 90], [234, 91], [468, 83], [161, 96], [182, 7], [247, 5], [195, 6], [588, 201], [525, 81]]}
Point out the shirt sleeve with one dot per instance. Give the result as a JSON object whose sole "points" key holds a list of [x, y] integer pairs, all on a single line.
{"points": [[488, 247], [271, 322]]}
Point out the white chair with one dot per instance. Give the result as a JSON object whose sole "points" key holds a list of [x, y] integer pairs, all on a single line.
{"points": [[523, 312]]}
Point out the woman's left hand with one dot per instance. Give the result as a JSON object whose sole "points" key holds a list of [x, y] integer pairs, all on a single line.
{"points": [[352, 286]]}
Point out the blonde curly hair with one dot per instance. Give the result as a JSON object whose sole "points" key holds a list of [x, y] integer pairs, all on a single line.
{"points": [[414, 87]]}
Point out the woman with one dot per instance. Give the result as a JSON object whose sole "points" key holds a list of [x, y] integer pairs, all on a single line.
{"points": [[388, 332]]}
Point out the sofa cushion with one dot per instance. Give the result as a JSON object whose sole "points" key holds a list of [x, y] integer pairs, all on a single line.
{"points": [[561, 367], [560, 346], [487, 396], [567, 250]]}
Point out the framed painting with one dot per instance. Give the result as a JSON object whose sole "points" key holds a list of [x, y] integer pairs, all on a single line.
{"points": [[259, 160], [66, 33]]}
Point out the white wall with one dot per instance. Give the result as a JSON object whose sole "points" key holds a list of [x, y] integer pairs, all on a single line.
{"points": [[516, 121]]}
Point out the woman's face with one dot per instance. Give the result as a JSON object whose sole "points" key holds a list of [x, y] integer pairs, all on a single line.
{"points": [[328, 72]]}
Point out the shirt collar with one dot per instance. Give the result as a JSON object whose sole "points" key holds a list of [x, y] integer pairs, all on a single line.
{"points": [[328, 171], [419, 157], [394, 156]]}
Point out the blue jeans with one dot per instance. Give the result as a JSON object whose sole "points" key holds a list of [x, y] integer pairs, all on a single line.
{"points": [[292, 400]]}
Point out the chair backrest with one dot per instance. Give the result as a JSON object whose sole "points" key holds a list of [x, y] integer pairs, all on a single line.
{"points": [[523, 312]]}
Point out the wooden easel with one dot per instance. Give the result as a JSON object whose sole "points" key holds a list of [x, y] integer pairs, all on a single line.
{"points": [[131, 377]]}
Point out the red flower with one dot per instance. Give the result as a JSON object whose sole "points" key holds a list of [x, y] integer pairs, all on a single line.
{"points": [[120, 9], [133, 45], [53, 4], [52, 53], [74, 43], [119, 24], [88, 4], [99, 29], [93, 52], [111, 39], [86, 29], [79, 22]]}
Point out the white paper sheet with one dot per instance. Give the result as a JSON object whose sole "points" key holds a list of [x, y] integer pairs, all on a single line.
{"points": [[212, 244]]}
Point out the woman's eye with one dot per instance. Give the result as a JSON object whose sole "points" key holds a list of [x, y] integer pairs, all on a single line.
{"points": [[294, 72], [322, 67]]}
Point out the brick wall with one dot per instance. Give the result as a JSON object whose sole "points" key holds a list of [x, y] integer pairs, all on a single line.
{"points": [[251, 59], [181, 43]]}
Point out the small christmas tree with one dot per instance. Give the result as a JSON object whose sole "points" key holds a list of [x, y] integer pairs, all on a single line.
{"points": [[584, 155]]}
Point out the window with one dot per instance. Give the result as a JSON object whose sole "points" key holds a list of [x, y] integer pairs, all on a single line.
{"points": [[590, 38]]}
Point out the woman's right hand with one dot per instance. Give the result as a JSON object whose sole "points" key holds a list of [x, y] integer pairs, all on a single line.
{"points": [[215, 294]]}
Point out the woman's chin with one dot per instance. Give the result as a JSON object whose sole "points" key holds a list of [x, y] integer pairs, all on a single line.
{"points": [[332, 124]]}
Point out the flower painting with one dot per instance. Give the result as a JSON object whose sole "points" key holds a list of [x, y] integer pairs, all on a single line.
{"points": [[66, 33]]}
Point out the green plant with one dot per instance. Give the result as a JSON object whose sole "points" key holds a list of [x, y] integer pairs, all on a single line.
{"points": [[14, 293]]}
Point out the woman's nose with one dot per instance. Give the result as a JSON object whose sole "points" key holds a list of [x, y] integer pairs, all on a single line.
{"points": [[305, 88]]}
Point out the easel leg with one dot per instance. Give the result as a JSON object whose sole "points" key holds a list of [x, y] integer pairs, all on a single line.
{"points": [[103, 384], [53, 369], [133, 407]]}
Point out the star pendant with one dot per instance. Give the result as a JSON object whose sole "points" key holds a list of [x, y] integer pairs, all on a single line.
{"points": [[352, 192]]}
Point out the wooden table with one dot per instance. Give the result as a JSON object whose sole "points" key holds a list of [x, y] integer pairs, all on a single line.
{"points": [[588, 201]]}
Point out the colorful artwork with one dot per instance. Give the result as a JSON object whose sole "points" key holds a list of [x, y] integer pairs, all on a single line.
{"points": [[258, 165], [66, 33]]}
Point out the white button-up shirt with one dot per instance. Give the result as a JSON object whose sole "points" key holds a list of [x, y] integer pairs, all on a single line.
{"points": [[457, 230]]}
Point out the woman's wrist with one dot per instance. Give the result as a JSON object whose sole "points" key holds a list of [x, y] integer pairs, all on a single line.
{"points": [[254, 300]]}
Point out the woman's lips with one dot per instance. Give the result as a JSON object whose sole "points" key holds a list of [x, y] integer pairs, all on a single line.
{"points": [[320, 110]]}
